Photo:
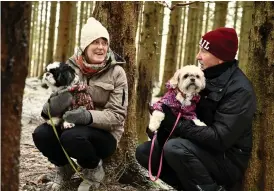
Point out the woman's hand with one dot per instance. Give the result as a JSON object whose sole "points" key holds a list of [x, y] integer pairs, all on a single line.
{"points": [[79, 116]]}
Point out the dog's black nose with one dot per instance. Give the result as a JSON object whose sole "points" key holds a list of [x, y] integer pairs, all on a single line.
{"points": [[47, 74], [192, 80]]}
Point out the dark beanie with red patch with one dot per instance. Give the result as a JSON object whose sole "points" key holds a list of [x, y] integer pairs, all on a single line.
{"points": [[222, 43]]}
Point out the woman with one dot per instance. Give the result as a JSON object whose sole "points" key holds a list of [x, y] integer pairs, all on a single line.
{"points": [[96, 132]]}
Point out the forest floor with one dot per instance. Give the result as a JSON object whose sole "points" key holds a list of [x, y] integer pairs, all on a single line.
{"points": [[35, 169]]}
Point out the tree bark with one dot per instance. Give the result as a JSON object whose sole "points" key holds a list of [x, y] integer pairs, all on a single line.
{"points": [[38, 53], [260, 174], [220, 13], [121, 19], [159, 29], [33, 8], [43, 49], [207, 18], [72, 28], [15, 27], [236, 14], [171, 47], [80, 20], [246, 25], [190, 43], [201, 8], [61, 53], [49, 58], [146, 66]]}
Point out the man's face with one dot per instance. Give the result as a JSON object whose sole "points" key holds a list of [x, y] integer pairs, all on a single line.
{"points": [[206, 59]]}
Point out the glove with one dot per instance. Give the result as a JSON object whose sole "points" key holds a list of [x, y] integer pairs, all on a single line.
{"points": [[167, 125], [79, 116], [58, 104]]}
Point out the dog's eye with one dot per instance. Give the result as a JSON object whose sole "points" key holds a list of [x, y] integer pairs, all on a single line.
{"points": [[197, 76], [185, 76]]}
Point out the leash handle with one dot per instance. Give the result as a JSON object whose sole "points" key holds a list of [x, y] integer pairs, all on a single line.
{"points": [[161, 158]]}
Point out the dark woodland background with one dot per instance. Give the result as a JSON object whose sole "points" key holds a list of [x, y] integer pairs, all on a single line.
{"points": [[155, 41]]}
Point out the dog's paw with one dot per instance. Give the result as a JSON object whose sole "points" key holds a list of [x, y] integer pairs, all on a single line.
{"points": [[55, 120], [198, 122], [67, 125], [155, 120], [153, 127]]}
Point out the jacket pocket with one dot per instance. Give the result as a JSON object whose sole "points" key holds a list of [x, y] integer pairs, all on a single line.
{"points": [[100, 92], [104, 86]]}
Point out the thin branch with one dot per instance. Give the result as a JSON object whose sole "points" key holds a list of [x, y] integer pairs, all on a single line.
{"points": [[165, 4]]}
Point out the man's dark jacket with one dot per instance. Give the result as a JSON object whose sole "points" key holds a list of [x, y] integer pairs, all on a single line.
{"points": [[227, 106]]}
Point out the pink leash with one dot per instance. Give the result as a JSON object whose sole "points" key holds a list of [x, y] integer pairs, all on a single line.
{"points": [[161, 159]]}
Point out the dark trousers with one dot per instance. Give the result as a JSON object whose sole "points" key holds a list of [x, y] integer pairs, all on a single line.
{"points": [[185, 165], [86, 144]]}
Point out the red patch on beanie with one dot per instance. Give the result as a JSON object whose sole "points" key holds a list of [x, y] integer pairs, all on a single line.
{"points": [[222, 43]]}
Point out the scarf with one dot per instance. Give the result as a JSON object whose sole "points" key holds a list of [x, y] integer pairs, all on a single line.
{"points": [[215, 71], [87, 68]]}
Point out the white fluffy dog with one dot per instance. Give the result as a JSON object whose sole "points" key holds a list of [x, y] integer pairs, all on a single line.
{"points": [[182, 96]]}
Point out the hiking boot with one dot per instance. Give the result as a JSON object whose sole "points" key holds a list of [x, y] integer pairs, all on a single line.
{"points": [[62, 177], [92, 177]]}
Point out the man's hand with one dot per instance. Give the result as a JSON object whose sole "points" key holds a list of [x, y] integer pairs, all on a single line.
{"points": [[167, 125], [57, 104], [169, 120], [79, 116]]}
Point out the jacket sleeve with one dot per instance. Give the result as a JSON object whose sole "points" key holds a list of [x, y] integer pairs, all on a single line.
{"points": [[115, 110], [231, 119]]}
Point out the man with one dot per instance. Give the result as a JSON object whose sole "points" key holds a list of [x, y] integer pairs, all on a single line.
{"points": [[212, 157]]}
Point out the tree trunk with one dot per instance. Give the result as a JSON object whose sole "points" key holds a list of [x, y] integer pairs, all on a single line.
{"points": [[159, 29], [246, 25], [72, 28], [80, 20], [33, 7], [201, 8], [171, 47], [207, 18], [182, 35], [190, 42], [43, 49], [38, 63], [33, 59], [236, 14], [63, 40], [15, 27], [260, 174], [146, 66], [121, 20], [220, 14], [139, 31], [50, 48]]}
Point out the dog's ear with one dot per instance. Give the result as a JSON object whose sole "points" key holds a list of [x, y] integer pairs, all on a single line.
{"points": [[66, 75], [175, 79]]}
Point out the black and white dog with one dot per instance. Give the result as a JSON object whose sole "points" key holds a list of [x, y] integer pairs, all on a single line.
{"points": [[61, 77]]}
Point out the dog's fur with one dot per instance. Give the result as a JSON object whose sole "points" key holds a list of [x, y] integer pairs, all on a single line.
{"points": [[185, 86], [61, 77]]}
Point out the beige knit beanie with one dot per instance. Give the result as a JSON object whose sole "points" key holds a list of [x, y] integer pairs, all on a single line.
{"points": [[91, 31]]}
